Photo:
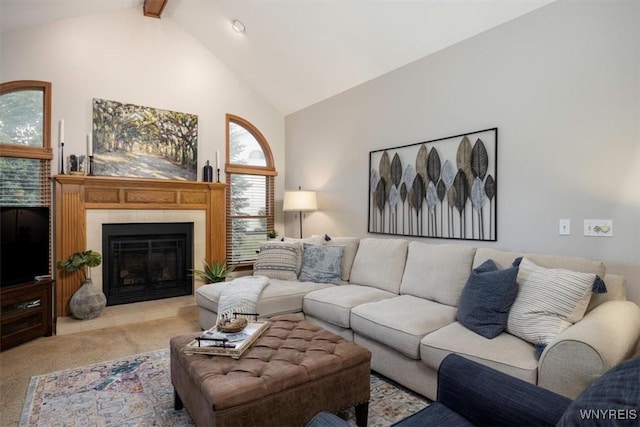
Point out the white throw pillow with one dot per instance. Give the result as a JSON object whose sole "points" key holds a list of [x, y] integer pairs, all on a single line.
{"points": [[549, 301]]}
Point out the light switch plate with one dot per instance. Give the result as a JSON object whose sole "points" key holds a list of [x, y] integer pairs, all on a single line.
{"points": [[565, 227], [598, 227]]}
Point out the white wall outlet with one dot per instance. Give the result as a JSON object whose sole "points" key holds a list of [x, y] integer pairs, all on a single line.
{"points": [[565, 227], [598, 227]]}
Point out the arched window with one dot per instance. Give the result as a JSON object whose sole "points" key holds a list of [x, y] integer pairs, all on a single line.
{"points": [[25, 143], [250, 174]]}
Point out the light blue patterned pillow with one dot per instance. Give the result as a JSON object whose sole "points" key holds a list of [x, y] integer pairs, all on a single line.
{"points": [[321, 264]]}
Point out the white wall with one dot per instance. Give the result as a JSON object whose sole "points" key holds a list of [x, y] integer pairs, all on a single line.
{"points": [[126, 57], [562, 84]]}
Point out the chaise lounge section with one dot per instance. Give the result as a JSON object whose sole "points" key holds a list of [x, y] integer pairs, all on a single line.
{"points": [[401, 300]]}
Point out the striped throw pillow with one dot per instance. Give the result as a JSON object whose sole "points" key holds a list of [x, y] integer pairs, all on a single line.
{"points": [[278, 260], [549, 301]]}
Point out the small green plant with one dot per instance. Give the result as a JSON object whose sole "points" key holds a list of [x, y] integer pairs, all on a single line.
{"points": [[80, 260], [272, 234], [214, 272]]}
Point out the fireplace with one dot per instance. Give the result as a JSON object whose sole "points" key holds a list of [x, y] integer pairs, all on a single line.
{"points": [[146, 261]]}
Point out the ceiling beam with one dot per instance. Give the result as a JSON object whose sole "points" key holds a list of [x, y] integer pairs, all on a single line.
{"points": [[154, 8]]}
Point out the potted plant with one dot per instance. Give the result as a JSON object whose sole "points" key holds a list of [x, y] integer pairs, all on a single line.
{"points": [[272, 234], [80, 260], [214, 272], [88, 301]]}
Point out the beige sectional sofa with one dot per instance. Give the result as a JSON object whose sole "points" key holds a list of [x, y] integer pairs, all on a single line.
{"points": [[400, 301]]}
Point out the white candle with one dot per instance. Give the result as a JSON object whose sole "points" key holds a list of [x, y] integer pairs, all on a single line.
{"points": [[217, 159], [89, 146], [61, 131]]}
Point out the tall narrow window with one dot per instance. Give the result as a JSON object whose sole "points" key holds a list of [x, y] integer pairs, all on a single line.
{"points": [[250, 176], [25, 176]]}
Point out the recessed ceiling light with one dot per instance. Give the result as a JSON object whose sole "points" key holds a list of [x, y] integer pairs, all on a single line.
{"points": [[238, 26]]}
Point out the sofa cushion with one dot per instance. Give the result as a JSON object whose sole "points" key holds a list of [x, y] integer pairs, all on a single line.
{"points": [[613, 398], [401, 322], [278, 260], [549, 301], [334, 304], [503, 259], [314, 240], [380, 263], [322, 264], [350, 249], [486, 299], [278, 297], [437, 272], [506, 353]]}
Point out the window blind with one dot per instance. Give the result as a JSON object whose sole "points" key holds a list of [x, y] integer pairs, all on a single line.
{"points": [[249, 215], [25, 182]]}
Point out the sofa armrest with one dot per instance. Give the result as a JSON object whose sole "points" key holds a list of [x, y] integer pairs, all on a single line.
{"points": [[606, 336], [485, 396]]}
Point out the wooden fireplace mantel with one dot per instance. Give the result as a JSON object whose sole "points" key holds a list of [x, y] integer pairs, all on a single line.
{"points": [[75, 194]]}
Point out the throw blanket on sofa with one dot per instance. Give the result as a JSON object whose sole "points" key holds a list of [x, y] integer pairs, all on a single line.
{"points": [[241, 295]]}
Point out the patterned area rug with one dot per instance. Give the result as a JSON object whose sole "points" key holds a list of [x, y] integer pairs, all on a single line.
{"points": [[137, 391]]}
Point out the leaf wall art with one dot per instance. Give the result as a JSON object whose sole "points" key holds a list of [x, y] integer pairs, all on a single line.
{"points": [[443, 188]]}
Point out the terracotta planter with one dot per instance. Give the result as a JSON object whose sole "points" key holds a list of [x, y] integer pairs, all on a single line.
{"points": [[88, 301]]}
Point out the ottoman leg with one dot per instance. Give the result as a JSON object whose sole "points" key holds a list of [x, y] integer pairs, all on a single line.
{"points": [[362, 414], [177, 402]]}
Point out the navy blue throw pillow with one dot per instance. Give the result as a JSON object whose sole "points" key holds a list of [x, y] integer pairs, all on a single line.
{"points": [[486, 299]]}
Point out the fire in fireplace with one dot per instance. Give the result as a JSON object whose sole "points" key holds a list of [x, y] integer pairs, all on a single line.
{"points": [[146, 261]]}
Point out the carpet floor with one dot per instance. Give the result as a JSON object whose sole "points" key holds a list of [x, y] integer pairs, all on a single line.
{"points": [[137, 391], [60, 352]]}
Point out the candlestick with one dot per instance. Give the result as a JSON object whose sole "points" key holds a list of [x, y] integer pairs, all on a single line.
{"points": [[218, 173], [90, 165], [62, 158]]}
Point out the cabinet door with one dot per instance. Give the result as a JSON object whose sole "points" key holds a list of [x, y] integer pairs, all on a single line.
{"points": [[26, 313]]}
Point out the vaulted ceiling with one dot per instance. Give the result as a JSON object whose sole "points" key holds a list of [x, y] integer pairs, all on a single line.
{"points": [[295, 53]]}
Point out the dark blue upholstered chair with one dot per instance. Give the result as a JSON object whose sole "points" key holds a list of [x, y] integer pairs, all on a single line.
{"points": [[471, 394]]}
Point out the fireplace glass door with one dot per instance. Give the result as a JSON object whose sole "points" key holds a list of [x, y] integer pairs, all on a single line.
{"points": [[147, 261]]}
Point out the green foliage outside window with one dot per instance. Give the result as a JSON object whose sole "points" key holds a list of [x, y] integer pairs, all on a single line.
{"points": [[21, 118]]}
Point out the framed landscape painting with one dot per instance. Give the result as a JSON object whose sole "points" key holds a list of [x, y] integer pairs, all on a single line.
{"points": [[442, 188], [135, 141]]}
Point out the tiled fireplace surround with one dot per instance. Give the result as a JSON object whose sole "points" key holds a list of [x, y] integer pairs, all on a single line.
{"points": [[84, 203], [97, 217]]}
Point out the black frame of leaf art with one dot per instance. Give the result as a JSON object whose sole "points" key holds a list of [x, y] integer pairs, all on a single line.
{"points": [[444, 188]]}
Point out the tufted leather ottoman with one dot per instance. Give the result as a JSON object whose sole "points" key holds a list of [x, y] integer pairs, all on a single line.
{"points": [[293, 371]]}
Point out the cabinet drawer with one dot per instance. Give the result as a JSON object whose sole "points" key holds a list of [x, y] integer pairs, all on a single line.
{"points": [[25, 313], [22, 324], [22, 308]]}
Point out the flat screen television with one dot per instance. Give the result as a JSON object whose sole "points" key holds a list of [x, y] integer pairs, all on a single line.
{"points": [[24, 253]]}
